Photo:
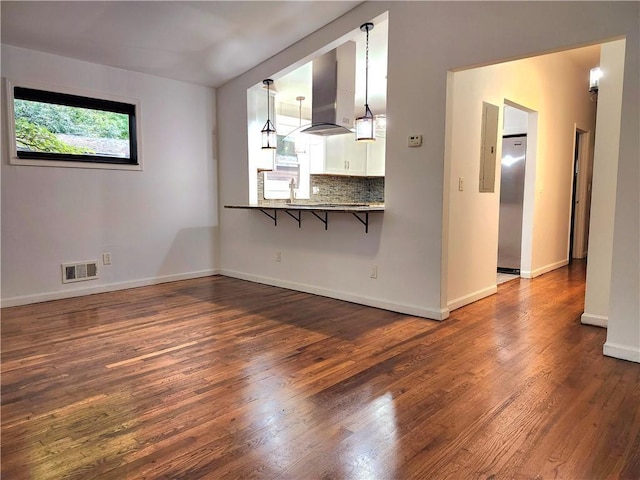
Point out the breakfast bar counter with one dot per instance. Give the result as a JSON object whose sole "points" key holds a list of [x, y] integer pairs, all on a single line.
{"points": [[321, 211]]}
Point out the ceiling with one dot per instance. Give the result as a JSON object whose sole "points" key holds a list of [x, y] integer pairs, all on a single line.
{"points": [[202, 42], [585, 57]]}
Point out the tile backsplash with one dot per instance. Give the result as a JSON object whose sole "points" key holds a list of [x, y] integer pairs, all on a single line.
{"points": [[335, 189]]}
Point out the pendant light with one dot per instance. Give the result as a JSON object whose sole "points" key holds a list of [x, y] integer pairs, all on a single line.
{"points": [[595, 74], [365, 125], [301, 148], [269, 138]]}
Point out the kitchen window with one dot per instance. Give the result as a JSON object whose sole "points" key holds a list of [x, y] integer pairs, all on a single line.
{"points": [[289, 163], [286, 169], [52, 128]]}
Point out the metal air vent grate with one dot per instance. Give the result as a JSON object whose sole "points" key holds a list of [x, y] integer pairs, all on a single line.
{"points": [[78, 272]]}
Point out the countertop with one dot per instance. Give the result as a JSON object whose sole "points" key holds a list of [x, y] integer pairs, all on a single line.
{"points": [[328, 207]]}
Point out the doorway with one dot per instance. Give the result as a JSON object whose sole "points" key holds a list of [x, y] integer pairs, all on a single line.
{"points": [[512, 184], [472, 217], [581, 196]]}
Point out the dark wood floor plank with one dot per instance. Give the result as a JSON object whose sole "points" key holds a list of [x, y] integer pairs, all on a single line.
{"points": [[222, 378]]}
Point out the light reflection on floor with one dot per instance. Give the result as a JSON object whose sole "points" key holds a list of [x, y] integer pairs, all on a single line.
{"points": [[374, 449], [368, 451], [505, 277]]}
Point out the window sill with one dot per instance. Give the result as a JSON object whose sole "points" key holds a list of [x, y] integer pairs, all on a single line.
{"points": [[72, 164]]}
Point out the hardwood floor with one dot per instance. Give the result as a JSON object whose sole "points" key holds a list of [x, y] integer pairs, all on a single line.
{"points": [[222, 378]]}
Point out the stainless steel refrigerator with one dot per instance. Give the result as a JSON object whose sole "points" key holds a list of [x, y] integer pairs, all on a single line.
{"points": [[514, 148]]}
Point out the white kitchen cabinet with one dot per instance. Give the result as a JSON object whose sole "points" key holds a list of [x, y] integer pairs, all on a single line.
{"points": [[345, 156], [316, 151], [376, 154]]}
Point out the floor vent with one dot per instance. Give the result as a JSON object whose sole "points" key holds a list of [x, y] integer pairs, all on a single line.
{"points": [[79, 272]]}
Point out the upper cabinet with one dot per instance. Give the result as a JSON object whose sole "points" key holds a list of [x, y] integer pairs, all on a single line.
{"points": [[376, 157], [345, 156]]}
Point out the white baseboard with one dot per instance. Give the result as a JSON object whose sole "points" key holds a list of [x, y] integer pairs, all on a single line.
{"points": [[595, 320], [472, 297], [414, 310], [542, 270], [112, 287], [623, 352]]}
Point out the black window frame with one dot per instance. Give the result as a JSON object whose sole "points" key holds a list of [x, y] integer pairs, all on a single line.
{"points": [[72, 100]]}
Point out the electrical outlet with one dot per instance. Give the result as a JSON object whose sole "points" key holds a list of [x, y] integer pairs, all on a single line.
{"points": [[460, 184], [278, 256], [374, 271], [106, 259], [316, 190], [415, 140]]}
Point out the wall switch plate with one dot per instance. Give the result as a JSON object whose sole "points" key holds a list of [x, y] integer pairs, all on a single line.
{"points": [[106, 259], [278, 256], [415, 140], [460, 184], [374, 271]]}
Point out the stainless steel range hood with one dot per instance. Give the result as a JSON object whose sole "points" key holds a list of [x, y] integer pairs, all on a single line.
{"points": [[333, 91]]}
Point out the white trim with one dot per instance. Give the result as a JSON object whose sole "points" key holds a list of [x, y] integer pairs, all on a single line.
{"points": [[595, 320], [28, 162], [112, 287], [472, 297], [415, 310], [623, 352], [11, 129], [529, 197], [545, 269]]}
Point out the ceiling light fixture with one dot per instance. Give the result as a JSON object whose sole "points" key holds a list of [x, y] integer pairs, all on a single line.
{"points": [[269, 138], [365, 125], [595, 74]]}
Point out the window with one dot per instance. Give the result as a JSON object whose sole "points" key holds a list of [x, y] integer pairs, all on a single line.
{"points": [[286, 168], [64, 129], [291, 162]]}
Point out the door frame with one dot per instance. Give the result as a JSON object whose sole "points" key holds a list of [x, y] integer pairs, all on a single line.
{"points": [[529, 200], [581, 197]]}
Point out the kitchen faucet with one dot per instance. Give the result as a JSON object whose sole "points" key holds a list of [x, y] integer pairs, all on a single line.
{"points": [[292, 188]]}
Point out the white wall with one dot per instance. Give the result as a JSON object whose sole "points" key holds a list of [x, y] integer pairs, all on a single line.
{"points": [[623, 333], [515, 121], [336, 262], [553, 86], [158, 224], [426, 39], [603, 194]]}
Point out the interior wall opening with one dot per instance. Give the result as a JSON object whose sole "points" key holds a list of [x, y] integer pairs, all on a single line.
{"points": [[512, 169], [313, 105], [550, 96]]}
